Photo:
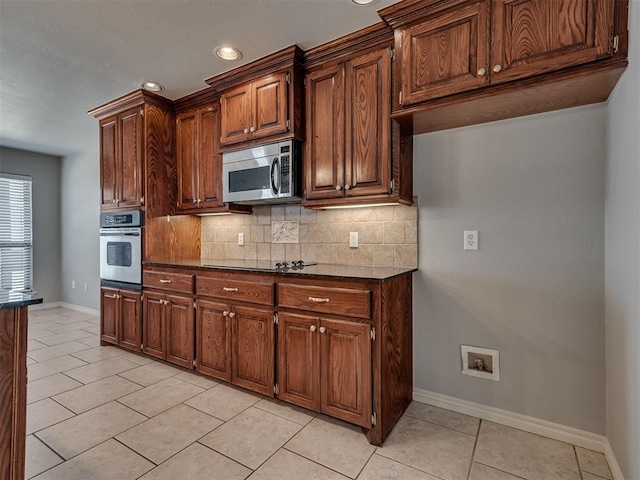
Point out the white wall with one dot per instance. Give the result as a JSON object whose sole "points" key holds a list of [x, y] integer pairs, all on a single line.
{"points": [[45, 173], [534, 188], [622, 261], [80, 221]]}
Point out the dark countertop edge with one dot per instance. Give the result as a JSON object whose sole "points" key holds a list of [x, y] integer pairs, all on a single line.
{"points": [[19, 303], [298, 273]]}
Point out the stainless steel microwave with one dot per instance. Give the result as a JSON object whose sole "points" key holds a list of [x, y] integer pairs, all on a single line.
{"points": [[264, 174]]}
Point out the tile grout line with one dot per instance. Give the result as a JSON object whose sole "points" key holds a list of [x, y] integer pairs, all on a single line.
{"points": [[444, 426], [473, 452]]}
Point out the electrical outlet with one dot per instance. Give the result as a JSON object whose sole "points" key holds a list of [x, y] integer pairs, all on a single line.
{"points": [[353, 239], [73, 284], [241, 239], [86, 287], [471, 239]]}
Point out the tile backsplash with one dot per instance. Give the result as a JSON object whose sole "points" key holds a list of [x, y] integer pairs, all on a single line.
{"points": [[387, 235]]}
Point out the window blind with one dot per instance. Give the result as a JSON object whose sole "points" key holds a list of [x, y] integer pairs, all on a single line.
{"points": [[16, 233]]}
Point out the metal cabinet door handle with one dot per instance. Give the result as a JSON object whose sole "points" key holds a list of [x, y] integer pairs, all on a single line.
{"points": [[164, 281], [318, 300], [229, 289]]}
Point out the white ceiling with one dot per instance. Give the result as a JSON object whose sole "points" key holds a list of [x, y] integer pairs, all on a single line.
{"points": [[58, 59]]}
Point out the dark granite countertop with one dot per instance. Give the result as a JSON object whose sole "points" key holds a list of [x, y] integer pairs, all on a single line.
{"points": [[323, 270], [17, 299]]}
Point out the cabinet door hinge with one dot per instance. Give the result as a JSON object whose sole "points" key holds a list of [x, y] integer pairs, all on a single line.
{"points": [[141, 346], [392, 185], [287, 77], [288, 124], [304, 82], [275, 318], [393, 53], [195, 305], [400, 98], [616, 43], [276, 389], [194, 362], [373, 333], [374, 419], [142, 112]]}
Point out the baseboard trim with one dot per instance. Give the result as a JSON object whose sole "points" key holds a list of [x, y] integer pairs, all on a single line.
{"points": [[69, 306], [545, 428], [616, 471]]}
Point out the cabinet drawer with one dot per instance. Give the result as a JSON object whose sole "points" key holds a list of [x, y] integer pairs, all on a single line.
{"points": [[175, 282], [340, 301], [243, 291]]}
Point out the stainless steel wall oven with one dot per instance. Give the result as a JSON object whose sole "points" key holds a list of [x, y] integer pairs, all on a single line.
{"points": [[121, 249]]}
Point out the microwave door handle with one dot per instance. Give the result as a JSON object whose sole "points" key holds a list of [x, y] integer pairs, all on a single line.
{"points": [[275, 166]]}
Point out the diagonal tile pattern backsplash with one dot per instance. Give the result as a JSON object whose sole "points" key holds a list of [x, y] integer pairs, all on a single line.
{"points": [[387, 235]]}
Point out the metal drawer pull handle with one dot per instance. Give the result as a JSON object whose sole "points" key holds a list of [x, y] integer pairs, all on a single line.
{"points": [[229, 289], [322, 329], [231, 315], [225, 313], [318, 300], [111, 296], [312, 328], [164, 281]]}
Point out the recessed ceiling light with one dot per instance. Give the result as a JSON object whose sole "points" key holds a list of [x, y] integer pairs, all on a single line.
{"points": [[152, 86], [363, 2], [228, 53]]}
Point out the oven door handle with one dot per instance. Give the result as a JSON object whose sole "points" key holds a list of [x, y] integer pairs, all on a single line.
{"points": [[275, 165]]}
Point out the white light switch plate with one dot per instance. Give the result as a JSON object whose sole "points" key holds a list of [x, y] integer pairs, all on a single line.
{"points": [[353, 239], [240, 239]]}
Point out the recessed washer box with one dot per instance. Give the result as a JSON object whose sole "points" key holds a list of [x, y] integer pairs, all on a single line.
{"points": [[480, 362]]}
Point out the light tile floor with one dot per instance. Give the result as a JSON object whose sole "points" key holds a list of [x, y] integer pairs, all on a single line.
{"points": [[104, 413]]}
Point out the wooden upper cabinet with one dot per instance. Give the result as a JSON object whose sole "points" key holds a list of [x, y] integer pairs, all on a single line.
{"points": [[348, 147], [529, 37], [452, 47], [236, 115], [368, 126], [109, 162], [255, 110], [187, 159], [269, 106], [131, 190], [324, 155], [197, 160], [121, 164], [445, 54]]}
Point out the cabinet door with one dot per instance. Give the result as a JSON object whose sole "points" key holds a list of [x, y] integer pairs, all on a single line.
{"points": [[153, 325], [180, 330], [269, 106], [529, 37], [446, 54], [298, 368], [213, 337], [130, 133], [345, 370], [253, 349], [187, 158], [109, 315], [235, 116], [209, 170], [108, 162], [324, 155], [130, 320], [368, 126]]}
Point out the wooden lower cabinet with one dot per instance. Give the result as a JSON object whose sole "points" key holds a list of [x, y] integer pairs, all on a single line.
{"points": [[13, 391], [236, 344], [121, 317], [168, 327], [325, 365], [213, 339]]}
